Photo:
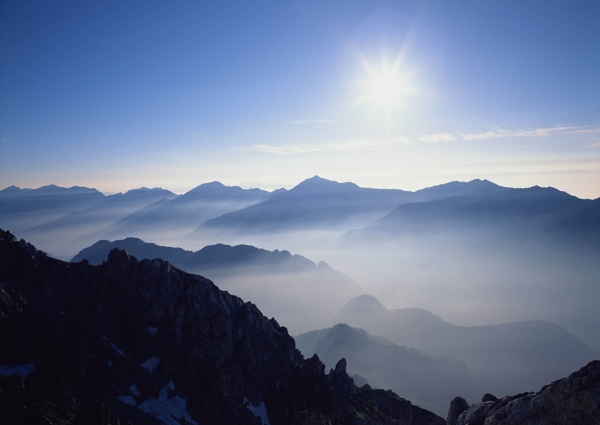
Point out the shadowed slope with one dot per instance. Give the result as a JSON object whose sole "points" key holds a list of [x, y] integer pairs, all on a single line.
{"points": [[317, 203], [299, 292], [425, 380], [521, 356], [155, 344]]}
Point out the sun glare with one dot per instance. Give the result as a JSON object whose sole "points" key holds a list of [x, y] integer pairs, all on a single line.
{"points": [[385, 89]]}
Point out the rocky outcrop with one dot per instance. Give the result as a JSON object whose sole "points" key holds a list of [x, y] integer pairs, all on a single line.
{"points": [[568, 401], [144, 342], [457, 406]]}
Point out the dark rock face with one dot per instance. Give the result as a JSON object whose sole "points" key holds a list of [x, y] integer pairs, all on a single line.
{"points": [[488, 397], [457, 406], [311, 418], [144, 342], [568, 401]]}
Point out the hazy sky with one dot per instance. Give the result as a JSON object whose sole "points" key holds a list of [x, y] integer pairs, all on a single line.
{"points": [[405, 94]]}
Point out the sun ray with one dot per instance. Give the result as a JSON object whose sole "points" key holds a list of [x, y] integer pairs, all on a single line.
{"points": [[385, 87]]}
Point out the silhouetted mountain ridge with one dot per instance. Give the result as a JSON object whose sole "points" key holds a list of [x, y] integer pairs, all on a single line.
{"points": [[152, 344], [218, 256], [520, 356], [65, 220], [536, 206], [421, 378], [301, 293], [318, 203]]}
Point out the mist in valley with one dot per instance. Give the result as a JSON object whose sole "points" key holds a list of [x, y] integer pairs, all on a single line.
{"points": [[477, 280]]}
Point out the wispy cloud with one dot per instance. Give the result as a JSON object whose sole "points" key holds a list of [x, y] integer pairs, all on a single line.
{"points": [[537, 132], [329, 146], [594, 145], [436, 138], [502, 133], [322, 121]]}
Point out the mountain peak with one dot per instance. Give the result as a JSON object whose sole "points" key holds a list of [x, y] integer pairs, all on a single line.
{"points": [[216, 188], [214, 185], [363, 304], [316, 179], [317, 184]]}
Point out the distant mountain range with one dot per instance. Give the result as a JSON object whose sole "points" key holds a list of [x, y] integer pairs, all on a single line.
{"points": [[320, 204], [528, 209], [21, 209], [300, 293], [214, 212], [65, 220], [520, 356], [536, 249], [424, 380], [501, 217], [188, 211]]}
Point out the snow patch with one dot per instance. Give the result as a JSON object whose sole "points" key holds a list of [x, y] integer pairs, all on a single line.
{"points": [[151, 364], [114, 347], [134, 389], [109, 363], [259, 411], [62, 313], [22, 370], [165, 409], [117, 349], [152, 330], [127, 399]]}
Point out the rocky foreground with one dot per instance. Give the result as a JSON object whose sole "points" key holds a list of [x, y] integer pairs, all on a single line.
{"points": [[573, 400], [146, 343], [142, 342]]}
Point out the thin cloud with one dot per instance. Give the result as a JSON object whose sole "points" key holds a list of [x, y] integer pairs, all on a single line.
{"points": [[498, 133], [538, 132], [329, 146], [323, 121], [436, 138]]}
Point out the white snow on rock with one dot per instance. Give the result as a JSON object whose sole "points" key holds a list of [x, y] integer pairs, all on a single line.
{"points": [[127, 399], [114, 347], [152, 330], [118, 350], [22, 370], [165, 409], [151, 364], [259, 411]]}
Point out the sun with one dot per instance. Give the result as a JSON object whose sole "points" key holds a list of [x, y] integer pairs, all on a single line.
{"points": [[385, 89]]}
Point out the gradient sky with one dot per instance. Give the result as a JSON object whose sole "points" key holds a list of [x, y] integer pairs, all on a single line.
{"points": [[122, 94]]}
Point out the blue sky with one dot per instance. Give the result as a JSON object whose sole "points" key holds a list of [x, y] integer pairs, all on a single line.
{"points": [[117, 95]]}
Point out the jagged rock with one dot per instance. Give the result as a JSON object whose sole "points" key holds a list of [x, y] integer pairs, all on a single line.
{"points": [[95, 414], [145, 342], [457, 406], [341, 380], [571, 400], [488, 397], [311, 418]]}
